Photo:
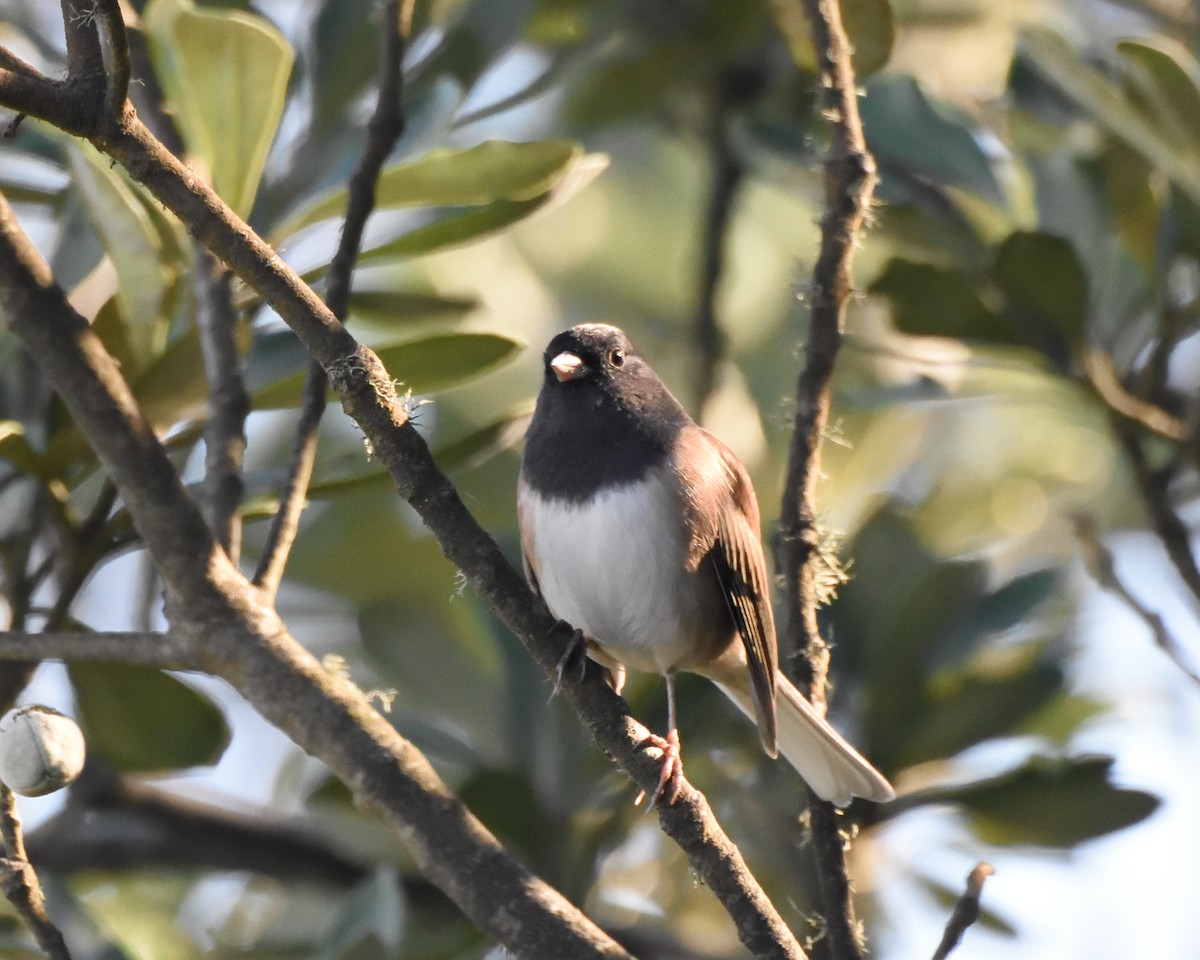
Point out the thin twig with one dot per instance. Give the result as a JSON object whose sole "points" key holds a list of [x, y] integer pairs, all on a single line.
{"points": [[20, 883], [849, 182], [285, 523], [229, 403], [383, 130], [1154, 486], [966, 910], [1102, 567], [725, 178], [1103, 378]]}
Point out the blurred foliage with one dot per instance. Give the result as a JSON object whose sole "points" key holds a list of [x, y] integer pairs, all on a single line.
{"points": [[1039, 204]]}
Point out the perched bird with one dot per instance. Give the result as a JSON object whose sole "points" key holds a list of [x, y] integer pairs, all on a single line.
{"points": [[641, 530]]}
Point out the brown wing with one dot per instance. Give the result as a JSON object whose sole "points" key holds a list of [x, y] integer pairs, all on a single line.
{"points": [[724, 520]]}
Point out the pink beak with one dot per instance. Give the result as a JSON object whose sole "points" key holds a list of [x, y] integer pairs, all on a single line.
{"points": [[567, 366]]}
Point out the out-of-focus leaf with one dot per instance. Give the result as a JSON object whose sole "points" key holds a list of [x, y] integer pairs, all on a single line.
{"points": [[998, 612], [1059, 719], [424, 365], [947, 897], [142, 719], [172, 389], [869, 24], [1136, 205], [624, 86], [371, 921], [906, 130], [1164, 79], [15, 449], [1054, 59], [396, 307], [225, 73], [344, 31], [968, 707], [453, 230], [1051, 802], [939, 302], [507, 802], [1040, 273], [495, 170], [487, 441], [131, 241], [469, 451], [28, 178]]}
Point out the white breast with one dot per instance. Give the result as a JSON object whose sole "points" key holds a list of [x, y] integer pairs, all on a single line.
{"points": [[615, 568]]}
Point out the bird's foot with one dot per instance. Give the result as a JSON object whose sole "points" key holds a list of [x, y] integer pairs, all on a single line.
{"points": [[573, 658], [670, 777]]}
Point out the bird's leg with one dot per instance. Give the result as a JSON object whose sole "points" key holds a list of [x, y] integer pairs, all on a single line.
{"points": [[670, 778], [574, 657]]}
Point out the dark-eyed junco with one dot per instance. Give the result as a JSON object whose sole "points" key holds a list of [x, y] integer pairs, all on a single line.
{"points": [[641, 530]]}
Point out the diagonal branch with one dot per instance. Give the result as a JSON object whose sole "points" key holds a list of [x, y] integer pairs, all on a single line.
{"points": [[849, 183], [383, 130]]}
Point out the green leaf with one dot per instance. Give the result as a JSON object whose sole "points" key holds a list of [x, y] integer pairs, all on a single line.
{"points": [[1000, 611], [172, 389], [140, 719], [971, 706], [476, 447], [130, 239], [398, 307], [225, 74], [1041, 274], [454, 230], [1051, 802], [1164, 80], [1059, 719], [423, 365], [495, 170], [934, 301], [905, 129], [483, 444], [1055, 60], [869, 24]]}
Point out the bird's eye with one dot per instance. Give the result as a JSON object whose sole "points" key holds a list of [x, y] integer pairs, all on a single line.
{"points": [[617, 357]]}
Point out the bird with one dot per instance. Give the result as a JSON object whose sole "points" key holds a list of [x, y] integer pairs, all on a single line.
{"points": [[640, 529]]}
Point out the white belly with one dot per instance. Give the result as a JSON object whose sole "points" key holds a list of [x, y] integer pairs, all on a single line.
{"points": [[608, 567]]}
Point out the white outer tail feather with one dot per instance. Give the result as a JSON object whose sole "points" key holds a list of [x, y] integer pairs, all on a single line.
{"points": [[829, 765]]}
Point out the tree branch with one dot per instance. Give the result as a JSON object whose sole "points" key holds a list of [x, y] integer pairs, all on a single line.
{"points": [[849, 182], [725, 178], [114, 823], [383, 130], [229, 404], [966, 910], [146, 649], [20, 883]]}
